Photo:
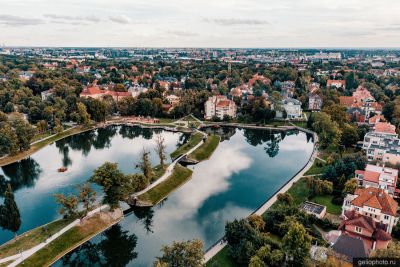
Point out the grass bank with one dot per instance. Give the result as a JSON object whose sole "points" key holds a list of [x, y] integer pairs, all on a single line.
{"points": [[39, 145], [222, 259], [32, 238], [206, 149], [158, 193], [326, 200], [158, 171], [194, 139], [71, 239]]}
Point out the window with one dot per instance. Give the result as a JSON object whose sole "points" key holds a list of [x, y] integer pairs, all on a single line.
{"points": [[386, 217], [358, 229]]}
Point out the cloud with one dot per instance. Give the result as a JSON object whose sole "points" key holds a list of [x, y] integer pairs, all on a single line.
{"points": [[121, 19], [75, 20], [179, 33], [11, 20], [235, 21]]}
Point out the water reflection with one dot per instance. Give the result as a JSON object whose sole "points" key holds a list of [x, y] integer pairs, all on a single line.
{"points": [[116, 248], [145, 216], [23, 174]]}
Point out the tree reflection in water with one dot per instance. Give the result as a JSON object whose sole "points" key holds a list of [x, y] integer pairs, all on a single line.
{"points": [[116, 249], [145, 216], [20, 175]]}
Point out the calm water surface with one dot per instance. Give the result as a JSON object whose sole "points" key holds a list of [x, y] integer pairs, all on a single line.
{"points": [[247, 168]]}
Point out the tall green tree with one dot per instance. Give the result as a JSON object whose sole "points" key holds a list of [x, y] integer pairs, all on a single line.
{"points": [[10, 219], [145, 165], [24, 132], [87, 196], [296, 244], [328, 131], [69, 205], [116, 185], [186, 253]]}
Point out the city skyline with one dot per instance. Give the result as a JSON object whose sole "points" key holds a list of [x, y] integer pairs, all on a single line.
{"points": [[219, 24]]}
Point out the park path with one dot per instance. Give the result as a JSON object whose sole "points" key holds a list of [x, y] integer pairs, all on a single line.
{"points": [[217, 247], [20, 257], [170, 168]]}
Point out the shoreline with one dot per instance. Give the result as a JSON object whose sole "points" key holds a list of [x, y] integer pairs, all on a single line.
{"points": [[217, 247]]}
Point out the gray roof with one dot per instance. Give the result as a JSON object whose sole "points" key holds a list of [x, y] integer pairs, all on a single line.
{"points": [[291, 100], [350, 247]]}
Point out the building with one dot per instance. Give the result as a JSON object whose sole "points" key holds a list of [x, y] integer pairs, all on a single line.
{"points": [[336, 83], [315, 209], [292, 108], [94, 91], [219, 106], [173, 99], [382, 144], [372, 233], [315, 102], [46, 94], [374, 203], [350, 247], [378, 177]]}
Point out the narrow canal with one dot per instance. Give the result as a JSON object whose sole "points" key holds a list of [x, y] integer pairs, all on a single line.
{"points": [[246, 169]]}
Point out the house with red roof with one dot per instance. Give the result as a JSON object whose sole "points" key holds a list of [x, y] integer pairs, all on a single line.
{"points": [[336, 83], [378, 177], [219, 106], [372, 233], [374, 203], [94, 91]]}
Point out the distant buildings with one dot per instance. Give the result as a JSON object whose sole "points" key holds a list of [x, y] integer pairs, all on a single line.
{"points": [[93, 91], [382, 144], [314, 102], [26, 75], [378, 177], [292, 108], [219, 106], [374, 203], [46, 94], [336, 83]]}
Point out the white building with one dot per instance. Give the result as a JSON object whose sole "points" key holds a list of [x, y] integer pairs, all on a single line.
{"points": [[379, 177], [292, 108], [219, 106]]}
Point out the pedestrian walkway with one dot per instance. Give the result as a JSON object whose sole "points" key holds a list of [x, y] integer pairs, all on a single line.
{"points": [[20, 257]]}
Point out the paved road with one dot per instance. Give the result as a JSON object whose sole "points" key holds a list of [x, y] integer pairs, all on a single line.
{"points": [[20, 257], [261, 210]]}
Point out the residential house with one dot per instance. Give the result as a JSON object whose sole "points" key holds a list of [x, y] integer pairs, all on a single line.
{"points": [[315, 209], [292, 108], [219, 106], [94, 91], [350, 247], [376, 119], [261, 78], [26, 75], [336, 83], [382, 143], [287, 89], [314, 102], [374, 203], [173, 99], [46, 94], [379, 177], [372, 233]]}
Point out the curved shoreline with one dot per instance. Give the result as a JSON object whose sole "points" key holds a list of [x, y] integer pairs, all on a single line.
{"points": [[220, 243]]}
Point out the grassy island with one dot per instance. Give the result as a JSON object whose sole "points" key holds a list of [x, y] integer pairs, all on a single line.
{"points": [[158, 193], [206, 149], [194, 139]]}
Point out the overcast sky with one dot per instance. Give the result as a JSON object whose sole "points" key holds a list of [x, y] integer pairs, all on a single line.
{"points": [[201, 23]]}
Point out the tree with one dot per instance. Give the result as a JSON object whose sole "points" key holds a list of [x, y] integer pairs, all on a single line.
{"points": [[350, 186], [8, 140], [393, 251], [160, 149], [349, 135], [83, 116], [145, 165], [87, 196], [296, 244], [186, 253], [286, 198], [328, 131], [69, 205], [10, 219], [318, 186], [257, 222], [116, 185], [24, 132]]}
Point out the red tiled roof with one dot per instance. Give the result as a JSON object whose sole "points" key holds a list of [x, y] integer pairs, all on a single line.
{"points": [[385, 127], [347, 101], [330, 82], [93, 90], [223, 103], [371, 176], [375, 198]]}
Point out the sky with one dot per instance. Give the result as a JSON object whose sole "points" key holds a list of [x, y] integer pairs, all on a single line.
{"points": [[200, 23]]}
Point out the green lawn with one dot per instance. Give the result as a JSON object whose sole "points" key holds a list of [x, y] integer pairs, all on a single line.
{"points": [[158, 171], [316, 168], [206, 149], [193, 141], [327, 201], [70, 239], [299, 191], [166, 120], [32, 238], [158, 193], [222, 259]]}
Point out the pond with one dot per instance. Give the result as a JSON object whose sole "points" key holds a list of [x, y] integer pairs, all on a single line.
{"points": [[245, 170]]}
